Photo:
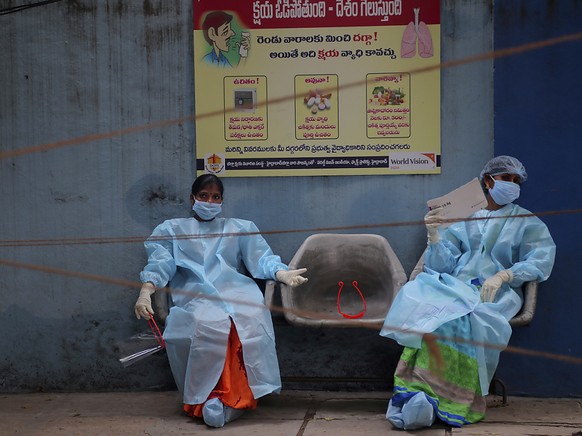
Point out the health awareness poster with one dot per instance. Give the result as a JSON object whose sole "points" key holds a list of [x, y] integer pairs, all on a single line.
{"points": [[307, 87]]}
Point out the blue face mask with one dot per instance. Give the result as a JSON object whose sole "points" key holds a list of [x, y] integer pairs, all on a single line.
{"points": [[504, 192], [206, 210]]}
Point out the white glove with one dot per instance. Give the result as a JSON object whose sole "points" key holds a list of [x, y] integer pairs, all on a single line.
{"points": [[432, 221], [492, 284], [143, 305], [292, 277]]}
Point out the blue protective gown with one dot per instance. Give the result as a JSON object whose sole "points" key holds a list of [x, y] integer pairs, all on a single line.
{"points": [[468, 252], [204, 264]]}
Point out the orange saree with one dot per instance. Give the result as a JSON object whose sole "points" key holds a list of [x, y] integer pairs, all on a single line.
{"points": [[233, 387]]}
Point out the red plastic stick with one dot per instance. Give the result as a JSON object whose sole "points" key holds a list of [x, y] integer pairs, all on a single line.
{"points": [[156, 331]]}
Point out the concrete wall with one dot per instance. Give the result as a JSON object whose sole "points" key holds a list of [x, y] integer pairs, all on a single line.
{"points": [[77, 68]]}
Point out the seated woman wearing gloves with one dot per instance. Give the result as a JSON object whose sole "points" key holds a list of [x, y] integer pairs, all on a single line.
{"points": [[470, 289], [218, 314]]}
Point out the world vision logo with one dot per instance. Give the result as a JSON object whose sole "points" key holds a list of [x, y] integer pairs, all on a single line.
{"points": [[412, 161], [214, 163]]}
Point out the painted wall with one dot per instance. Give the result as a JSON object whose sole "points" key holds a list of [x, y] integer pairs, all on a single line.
{"points": [[78, 68], [538, 110]]}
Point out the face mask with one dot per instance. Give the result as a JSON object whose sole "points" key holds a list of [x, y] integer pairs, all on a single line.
{"points": [[206, 211], [504, 192]]}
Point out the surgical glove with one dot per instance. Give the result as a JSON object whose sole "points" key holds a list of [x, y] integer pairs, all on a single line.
{"points": [[492, 284], [291, 277], [433, 220], [143, 305]]}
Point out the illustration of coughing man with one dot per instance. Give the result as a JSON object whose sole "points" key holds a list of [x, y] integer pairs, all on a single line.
{"points": [[218, 33]]}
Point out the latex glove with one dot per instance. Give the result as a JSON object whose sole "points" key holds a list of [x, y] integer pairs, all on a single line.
{"points": [[143, 305], [432, 221], [292, 277], [492, 284]]}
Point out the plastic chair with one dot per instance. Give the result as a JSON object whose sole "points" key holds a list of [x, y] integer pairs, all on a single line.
{"points": [[530, 298], [162, 300], [367, 259], [162, 303]]}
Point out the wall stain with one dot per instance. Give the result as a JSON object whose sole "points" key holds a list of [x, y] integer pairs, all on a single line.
{"points": [[149, 9], [64, 197], [160, 194], [77, 6]]}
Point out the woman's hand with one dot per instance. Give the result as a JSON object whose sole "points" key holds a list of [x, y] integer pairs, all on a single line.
{"points": [[493, 283], [143, 305], [291, 277], [432, 221]]}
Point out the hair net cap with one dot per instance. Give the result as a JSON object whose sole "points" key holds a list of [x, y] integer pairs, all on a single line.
{"points": [[504, 165]]}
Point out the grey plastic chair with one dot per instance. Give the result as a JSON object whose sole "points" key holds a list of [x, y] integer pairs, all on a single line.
{"points": [[367, 259], [530, 298], [162, 303], [162, 300]]}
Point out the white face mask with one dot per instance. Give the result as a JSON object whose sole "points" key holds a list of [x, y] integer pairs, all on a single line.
{"points": [[504, 192], [206, 210]]}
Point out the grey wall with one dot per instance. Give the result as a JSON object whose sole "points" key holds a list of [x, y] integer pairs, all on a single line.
{"points": [[77, 68]]}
